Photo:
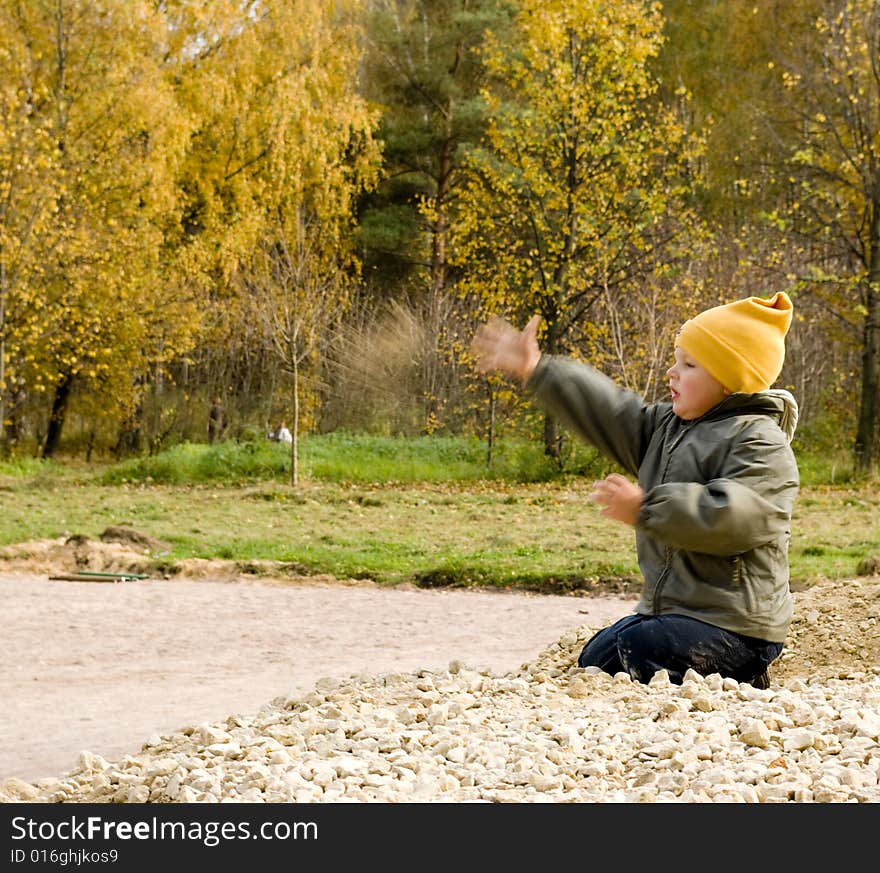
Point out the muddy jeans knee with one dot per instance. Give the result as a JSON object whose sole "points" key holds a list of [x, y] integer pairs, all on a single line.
{"points": [[601, 649], [677, 643]]}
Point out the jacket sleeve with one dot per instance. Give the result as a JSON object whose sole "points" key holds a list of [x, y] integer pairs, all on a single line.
{"points": [[748, 505], [616, 421]]}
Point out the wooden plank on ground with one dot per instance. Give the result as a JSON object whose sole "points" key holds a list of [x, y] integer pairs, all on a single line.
{"points": [[83, 577]]}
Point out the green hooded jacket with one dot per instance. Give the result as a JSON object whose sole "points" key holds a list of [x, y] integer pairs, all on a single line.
{"points": [[713, 532]]}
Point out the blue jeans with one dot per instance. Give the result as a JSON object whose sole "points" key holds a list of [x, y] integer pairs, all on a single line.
{"points": [[643, 644]]}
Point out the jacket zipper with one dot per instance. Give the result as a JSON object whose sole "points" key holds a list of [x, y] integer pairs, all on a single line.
{"points": [[668, 550], [737, 569], [667, 566]]}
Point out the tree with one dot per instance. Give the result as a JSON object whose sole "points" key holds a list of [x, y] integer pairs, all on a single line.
{"points": [[728, 56], [87, 192], [834, 170], [318, 155], [721, 54], [225, 62], [578, 192], [25, 213], [423, 67], [282, 146]]}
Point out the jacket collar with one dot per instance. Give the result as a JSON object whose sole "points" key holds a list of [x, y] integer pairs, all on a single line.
{"points": [[776, 403]]}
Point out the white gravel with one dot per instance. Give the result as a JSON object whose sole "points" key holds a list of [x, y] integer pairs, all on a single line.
{"points": [[544, 732]]}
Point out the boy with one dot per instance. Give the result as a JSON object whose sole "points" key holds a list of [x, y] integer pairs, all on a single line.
{"points": [[717, 481]]}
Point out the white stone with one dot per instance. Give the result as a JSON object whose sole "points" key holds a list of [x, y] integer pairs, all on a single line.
{"points": [[551, 732], [542, 782], [753, 732], [438, 714], [89, 761], [226, 750], [798, 739]]}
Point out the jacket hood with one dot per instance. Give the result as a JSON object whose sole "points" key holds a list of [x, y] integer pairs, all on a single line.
{"points": [[789, 418]]}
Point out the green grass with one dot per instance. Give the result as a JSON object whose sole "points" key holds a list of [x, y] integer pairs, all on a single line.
{"points": [[192, 463], [485, 534], [425, 511], [344, 457], [826, 468]]}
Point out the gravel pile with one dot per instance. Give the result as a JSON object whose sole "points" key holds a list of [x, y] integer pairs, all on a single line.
{"points": [[546, 732]]}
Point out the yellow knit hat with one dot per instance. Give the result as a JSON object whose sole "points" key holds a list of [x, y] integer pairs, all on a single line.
{"points": [[741, 344]]}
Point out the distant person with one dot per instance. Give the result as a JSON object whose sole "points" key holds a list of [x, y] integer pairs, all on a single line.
{"points": [[216, 420], [283, 435], [716, 485]]}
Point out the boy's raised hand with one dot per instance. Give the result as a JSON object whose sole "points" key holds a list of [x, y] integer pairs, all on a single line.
{"points": [[497, 345]]}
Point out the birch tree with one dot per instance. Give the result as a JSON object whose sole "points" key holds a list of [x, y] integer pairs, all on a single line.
{"points": [[87, 190], [318, 155]]}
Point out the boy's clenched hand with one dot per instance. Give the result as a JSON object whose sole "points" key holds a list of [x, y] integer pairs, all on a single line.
{"points": [[621, 498]]}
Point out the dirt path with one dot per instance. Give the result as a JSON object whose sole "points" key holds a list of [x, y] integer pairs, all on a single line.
{"points": [[101, 667]]}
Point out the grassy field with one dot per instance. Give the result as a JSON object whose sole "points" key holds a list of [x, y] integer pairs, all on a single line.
{"points": [[392, 511]]}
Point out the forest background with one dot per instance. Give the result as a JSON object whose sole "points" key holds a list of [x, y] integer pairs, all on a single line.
{"points": [[301, 209]]}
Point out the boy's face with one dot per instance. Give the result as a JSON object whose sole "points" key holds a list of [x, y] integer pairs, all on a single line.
{"points": [[694, 390]]}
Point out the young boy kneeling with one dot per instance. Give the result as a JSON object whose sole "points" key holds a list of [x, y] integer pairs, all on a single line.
{"points": [[717, 481]]}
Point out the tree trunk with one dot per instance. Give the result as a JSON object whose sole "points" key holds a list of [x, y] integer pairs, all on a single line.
{"points": [[552, 434], [490, 434], [431, 358], [445, 169], [866, 433], [128, 441], [294, 431], [10, 435], [3, 439], [552, 438], [56, 419], [12, 426]]}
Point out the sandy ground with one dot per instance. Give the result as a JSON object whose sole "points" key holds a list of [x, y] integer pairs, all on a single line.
{"points": [[102, 666]]}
